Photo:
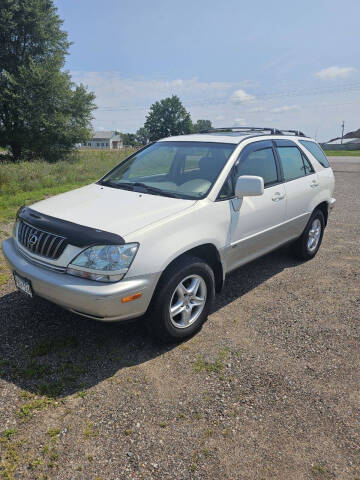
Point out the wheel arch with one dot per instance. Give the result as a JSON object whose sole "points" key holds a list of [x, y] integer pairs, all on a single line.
{"points": [[324, 207], [210, 255]]}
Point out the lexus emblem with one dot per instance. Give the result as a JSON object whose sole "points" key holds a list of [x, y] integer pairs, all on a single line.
{"points": [[32, 240]]}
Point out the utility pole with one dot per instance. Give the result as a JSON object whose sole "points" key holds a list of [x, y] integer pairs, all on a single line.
{"points": [[342, 131]]}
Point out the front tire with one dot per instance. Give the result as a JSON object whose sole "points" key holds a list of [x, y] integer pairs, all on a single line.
{"points": [[307, 246], [182, 299]]}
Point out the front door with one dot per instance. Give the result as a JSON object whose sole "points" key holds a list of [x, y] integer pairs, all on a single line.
{"points": [[257, 222]]}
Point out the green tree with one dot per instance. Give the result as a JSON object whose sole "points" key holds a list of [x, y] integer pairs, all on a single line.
{"points": [[202, 125], [142, 136], [167, 117], [129, 139], [42, 112]]}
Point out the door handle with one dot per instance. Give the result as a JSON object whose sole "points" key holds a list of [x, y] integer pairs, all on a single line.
{"points": [[277, 197], [314, 184]]}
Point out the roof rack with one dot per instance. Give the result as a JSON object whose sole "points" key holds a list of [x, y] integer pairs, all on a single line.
{"points": [[298, 133], [271, 130]]}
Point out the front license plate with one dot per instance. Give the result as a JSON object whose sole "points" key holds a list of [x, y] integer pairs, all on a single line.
{"points": [[23, 285]]}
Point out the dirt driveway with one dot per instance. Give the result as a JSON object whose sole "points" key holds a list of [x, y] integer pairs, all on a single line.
{"points": [[269, 389]]}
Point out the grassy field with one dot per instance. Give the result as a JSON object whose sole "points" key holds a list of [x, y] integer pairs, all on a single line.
{"points": [[28, 182], [342, 153]]}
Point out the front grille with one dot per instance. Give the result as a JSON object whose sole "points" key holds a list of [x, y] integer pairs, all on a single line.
{"points": [[39, 242]]}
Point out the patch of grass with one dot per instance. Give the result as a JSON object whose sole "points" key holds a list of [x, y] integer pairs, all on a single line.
{"points": [[163, 424], [26, 395], [50, 390], [90, 431], [28, 182], [33, 464], [81, 394], [7, 434], [47, 347], [53, 432], [9, 461], [27, 409], [342, 153], [4, 278], [320, 471], [215, 366], [36, 370]]}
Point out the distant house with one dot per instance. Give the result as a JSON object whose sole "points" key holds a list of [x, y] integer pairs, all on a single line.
{"points": [[104, 139]]}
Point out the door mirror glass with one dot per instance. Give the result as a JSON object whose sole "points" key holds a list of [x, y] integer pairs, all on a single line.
{"points": [[249, 186]]}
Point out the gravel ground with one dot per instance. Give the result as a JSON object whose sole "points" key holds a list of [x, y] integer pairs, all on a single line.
{"points": [[269, 389]]}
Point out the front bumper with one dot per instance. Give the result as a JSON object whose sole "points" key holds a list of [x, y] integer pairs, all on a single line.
{"points": [[101, 301]]}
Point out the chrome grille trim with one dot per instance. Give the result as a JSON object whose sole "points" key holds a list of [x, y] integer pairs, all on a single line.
{"points": [[38, 263], [40, 242]]}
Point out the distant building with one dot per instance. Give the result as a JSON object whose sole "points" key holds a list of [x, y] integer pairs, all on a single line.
{"points": [[104, 139], [350, 141], [344, 144]]}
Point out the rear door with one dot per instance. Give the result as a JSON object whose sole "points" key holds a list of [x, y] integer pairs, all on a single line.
{"points": [[257, 221], [301, 185]]}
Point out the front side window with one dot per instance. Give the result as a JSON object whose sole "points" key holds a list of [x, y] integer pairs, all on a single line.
{"points": [[178, 169], [294, 164], [316, 151], [260, 163]]}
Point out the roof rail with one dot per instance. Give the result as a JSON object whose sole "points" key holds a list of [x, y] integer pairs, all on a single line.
{"points": [[243, 129], [298, 133], [271, 130]]}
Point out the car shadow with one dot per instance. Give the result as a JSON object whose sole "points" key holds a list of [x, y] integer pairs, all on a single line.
{"points": [[49, 351]]}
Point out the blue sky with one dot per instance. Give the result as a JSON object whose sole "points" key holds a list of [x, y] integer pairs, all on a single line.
{"points": [[279, 63]]}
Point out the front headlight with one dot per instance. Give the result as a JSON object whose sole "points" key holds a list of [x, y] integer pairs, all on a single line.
{"points": [[104, 263]]}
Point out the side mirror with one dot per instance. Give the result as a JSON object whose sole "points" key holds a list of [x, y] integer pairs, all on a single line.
{"points": [[249, 186]]}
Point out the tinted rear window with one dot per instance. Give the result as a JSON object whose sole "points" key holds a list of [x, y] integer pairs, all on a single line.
{"points": [[316, 151]]}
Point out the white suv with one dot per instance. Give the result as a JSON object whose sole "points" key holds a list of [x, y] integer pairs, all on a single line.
{"points": [[158, 233]]}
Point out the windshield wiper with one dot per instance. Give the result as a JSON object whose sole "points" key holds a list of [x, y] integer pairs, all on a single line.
{"points": [[125, 185], [148, 188]]}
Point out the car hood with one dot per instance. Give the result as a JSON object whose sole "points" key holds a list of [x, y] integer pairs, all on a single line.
{"points": [[109, 209]]}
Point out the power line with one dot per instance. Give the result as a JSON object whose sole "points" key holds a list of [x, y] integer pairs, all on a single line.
{"points": [[223, 101]]}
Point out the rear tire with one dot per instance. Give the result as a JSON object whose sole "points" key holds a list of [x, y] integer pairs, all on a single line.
{"points": [[182, 300], [307, 246]]}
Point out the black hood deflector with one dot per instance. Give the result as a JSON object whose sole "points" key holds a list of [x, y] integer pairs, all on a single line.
{"points": [[75, 234]]}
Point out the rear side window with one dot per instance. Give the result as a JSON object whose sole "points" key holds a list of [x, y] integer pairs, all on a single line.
{"points": [[260, 163], [294, 164], [316, 151]]}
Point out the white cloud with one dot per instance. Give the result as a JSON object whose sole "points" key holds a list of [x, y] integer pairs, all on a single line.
{"points": [[240, 96], [285, 108], [335, 72]]}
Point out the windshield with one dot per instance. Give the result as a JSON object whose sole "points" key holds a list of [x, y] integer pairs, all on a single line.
{"points": [[177, 169]]}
